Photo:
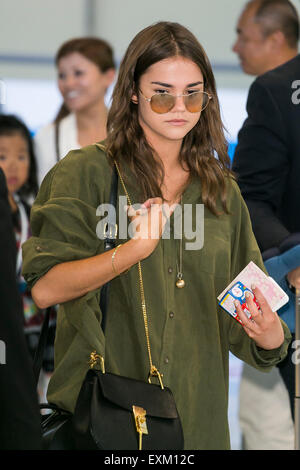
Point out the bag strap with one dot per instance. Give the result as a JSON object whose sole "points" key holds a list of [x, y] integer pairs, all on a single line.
{"points": [[154, 372], [109, 243]]}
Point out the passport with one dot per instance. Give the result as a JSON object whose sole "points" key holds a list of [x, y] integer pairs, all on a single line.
{"points": [[237, 289]]}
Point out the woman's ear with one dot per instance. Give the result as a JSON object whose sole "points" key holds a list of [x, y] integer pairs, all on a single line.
{"points": [[134, 98]]}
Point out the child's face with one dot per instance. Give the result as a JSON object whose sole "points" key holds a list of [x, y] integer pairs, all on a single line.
{"points": [[177, 76], [14, 161]]}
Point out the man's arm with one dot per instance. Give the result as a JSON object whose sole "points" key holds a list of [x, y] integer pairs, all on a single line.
{"points": [[261, 164]]}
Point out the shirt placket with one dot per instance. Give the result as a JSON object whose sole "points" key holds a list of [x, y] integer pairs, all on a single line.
{"points": [[169, 262]]}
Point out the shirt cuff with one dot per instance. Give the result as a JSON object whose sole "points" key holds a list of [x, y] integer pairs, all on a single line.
{"points": [[270, 357]]}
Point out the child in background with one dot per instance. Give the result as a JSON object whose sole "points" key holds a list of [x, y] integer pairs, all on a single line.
{"points": [[18, 163]]}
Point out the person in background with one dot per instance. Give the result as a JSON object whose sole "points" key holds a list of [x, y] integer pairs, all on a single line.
{"points": [[19, 412], [86, 69], [164, 130], [267, 166], [17, 161]]}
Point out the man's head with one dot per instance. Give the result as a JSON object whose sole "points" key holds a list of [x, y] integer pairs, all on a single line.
{"points": [[267, 35]]}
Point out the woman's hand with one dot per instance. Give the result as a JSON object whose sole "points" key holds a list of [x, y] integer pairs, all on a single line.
{"points": [[73, 279], [264, 327], [148, 223]]}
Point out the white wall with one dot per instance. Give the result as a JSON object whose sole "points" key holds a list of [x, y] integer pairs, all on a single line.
{"points": [[36, 28], [32, 30]]}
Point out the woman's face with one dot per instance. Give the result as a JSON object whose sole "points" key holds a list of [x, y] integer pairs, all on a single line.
{"points": [[14, 161], [176, 75], [81, 82]]}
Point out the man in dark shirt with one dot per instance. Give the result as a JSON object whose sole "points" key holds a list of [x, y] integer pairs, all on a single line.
{"points": [[267, 157]]}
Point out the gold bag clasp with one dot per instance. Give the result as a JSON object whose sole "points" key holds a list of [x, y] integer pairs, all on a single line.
{"points": [[155, 373], [140, 419], [96, 358], [140, 422]]}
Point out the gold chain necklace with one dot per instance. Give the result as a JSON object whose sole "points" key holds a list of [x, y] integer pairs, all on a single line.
{"points": [[154, 372], [180, 283]]}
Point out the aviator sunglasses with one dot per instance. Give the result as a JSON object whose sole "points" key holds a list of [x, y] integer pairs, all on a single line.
{"points": [[194, 102]]}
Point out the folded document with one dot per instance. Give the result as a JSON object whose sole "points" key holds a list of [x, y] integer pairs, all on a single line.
{"points": [[251, 274]]}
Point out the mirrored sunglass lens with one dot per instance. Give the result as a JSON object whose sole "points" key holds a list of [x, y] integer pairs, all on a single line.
{"points": [[195, 102], [162, 103]]}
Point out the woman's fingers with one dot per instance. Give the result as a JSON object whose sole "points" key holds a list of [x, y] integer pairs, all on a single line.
{"points": [[148, 220], [247, 322], [254, 307], [265, 308], [150, 202], [258, 306], [263, 325]]}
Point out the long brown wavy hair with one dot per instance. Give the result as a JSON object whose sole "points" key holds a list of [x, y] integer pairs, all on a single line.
{"points": [[204, 148]]}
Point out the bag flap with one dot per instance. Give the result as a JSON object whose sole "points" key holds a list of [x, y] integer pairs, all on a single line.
{"points": [[126, 392]]}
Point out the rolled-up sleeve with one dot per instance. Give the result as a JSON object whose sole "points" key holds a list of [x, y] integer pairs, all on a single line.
{"points": [[63, 221]]}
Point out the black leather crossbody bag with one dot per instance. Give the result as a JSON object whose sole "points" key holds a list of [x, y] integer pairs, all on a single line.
{"points": [[115, 412]]}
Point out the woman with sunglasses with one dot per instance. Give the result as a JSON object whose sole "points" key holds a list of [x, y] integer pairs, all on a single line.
{"points": [[164, 134]]}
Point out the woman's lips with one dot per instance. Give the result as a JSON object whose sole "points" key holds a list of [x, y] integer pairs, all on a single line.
{"points": [[177, 122], [72, 94]]}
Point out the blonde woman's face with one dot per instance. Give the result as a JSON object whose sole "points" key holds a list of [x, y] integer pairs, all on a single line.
{"points": [[81, 82], [177, 76]]}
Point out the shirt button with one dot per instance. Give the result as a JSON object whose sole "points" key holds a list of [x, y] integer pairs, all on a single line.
{"points": [[170, 270], [38, 248], [166, 360], [171, 314]]}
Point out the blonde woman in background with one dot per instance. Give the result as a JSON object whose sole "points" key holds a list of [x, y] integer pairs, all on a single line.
{"points": [[85, 69]]}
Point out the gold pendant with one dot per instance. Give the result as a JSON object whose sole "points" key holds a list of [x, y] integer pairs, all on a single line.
{"points": [[180, 283]]}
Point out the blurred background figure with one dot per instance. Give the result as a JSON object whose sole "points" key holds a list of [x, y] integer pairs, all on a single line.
{"points": [[20, 418], [266, 35], [18, 163], [85, 69], [267, 165]]}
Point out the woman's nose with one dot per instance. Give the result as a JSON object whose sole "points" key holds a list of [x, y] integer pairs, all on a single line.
{"points": [[179, 104], [68, 82]]}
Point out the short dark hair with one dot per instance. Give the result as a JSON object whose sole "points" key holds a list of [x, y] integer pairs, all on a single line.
{"points": [[11, 125], [278, 15]]}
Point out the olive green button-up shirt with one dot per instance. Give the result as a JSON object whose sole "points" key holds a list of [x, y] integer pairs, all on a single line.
{"points": [[190, 335]]}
